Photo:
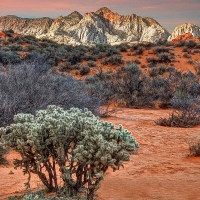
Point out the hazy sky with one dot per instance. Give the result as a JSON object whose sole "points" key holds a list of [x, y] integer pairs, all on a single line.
{"points": [[169, 13]]}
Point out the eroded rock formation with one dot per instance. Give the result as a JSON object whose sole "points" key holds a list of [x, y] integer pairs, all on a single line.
{"points": [[102, 26], [184, 29]]}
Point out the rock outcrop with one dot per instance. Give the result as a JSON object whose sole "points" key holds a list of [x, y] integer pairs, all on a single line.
{"points": [[102, 26], [184, 29], [26, 26], [185, 37]]}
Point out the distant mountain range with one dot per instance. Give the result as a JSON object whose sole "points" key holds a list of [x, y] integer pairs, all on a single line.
{"points": [[102, 26]]}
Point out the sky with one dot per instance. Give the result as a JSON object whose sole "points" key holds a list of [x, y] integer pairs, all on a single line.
{"points": [[169, 13]]}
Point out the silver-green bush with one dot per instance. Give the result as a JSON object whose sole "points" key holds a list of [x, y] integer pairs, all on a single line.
{"points": [[76, 142]]}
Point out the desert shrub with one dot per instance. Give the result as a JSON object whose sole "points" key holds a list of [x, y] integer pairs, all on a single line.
{"points": [[186, 113], [190, 44], [162, 69], [6, 48], [19, 39], [163, 57], [172, 54], [197, 46], [16, 47], [186, 55], [113, 60], [160, 49], [147, 45], [62, 68], [9, 57], [194, 147], [123, 47], [102, 86], [143, 66], [169, 44], [161, 42], [185, 49], [132, 87], [77, 66], [89, 57], [11, 39], [51, 61], [84, 70], [153, 72], [196, 65], [97, 48], [180, 43], [139, 51], [196, 51], [74, 57], [177, 119], [151, 59], [44, 44], [136, 61], [94, 50], [134, 47], [31, 47], [91, 63], [99, 56], [30, 86], [194, 89], [40, 60], [67, 67], [111, 51], [6, 42], [152, 64], [76, 142], [161, 89], [9, 32], [2, 154], [31, 38], [190, 61]]}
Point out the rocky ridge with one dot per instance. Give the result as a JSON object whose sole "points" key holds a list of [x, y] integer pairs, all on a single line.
{"points": [[102, 26], [26, 26], [185, 29]]}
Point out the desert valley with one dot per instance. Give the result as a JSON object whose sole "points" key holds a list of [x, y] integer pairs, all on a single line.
{"points": [[66, 86]]}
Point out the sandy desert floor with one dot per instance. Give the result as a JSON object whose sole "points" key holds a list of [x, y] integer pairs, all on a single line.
{"points": [[160, 170]]}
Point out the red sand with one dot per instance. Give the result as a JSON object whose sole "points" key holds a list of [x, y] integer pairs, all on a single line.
{"points": [[160, 170]]}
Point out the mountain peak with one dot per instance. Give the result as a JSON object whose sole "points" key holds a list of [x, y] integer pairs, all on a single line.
{"points": [[103, 10], [75, 14], [185, 28], [187, 25]]}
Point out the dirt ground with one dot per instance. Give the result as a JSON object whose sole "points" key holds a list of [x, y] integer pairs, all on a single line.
{"points": [[160, 170]]}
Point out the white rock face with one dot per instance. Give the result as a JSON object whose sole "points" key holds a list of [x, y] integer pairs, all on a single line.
{"points": [[185, 28], [26, 26], [102, 26]]}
